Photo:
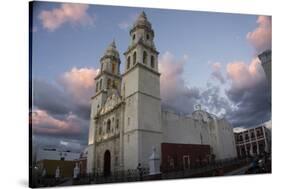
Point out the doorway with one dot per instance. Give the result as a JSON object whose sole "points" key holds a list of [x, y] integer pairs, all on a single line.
{"points": [[107, 164]]}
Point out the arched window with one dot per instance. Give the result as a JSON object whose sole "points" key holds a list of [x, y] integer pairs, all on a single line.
{"points": [[113, 68], [134, 58], [134, 36], [114, 84], [100, 83], [108, 126], [152, 61], [144, 57], [117, 124], [128, 62], [100, 131], [108, 83], [97, 86]]}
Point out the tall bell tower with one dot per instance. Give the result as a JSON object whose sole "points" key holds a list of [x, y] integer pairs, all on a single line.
{"points": [[107, 81], [141, 92]]}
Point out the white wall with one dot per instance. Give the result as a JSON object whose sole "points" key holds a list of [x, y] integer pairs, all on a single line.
{"points": [[200, 128]]}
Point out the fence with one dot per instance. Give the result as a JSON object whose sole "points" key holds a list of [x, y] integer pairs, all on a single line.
{"points": [[215, 168]]}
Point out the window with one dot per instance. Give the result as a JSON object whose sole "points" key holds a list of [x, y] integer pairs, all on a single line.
{"points": [[114, 84], [117, 124], [113, 68], [108, 83], [144, 57], [147, 36], [100, 83], [152, 61], [97, 86], [108, 125], [128, 121], [134, 36], [134, 58], [128, 62], [252, 135], [100, 131]]}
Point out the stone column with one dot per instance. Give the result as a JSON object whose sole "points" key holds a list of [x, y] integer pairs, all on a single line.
{"points": [[121, 127]]}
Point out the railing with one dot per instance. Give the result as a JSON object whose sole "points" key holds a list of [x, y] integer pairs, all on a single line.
{"points": [[120, 176], [212, 169]]}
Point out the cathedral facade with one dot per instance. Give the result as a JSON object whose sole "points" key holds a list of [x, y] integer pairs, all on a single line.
{"points": [[127, 121]]}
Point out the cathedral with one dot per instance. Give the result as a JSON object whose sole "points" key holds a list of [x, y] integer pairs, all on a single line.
{"points": [[127, 121]]}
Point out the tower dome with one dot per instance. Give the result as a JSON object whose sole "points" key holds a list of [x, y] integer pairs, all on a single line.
{"points": [[112, 50], [142, 21]]}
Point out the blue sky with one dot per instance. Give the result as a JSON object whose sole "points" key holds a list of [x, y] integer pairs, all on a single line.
{"points": [[206, 58], [204, 37]]}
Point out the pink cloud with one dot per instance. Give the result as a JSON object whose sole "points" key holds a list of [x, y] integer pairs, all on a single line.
{"points": [[260, 38], [171, 72], [66, 13], [43, 123], [216, 73], [80, 84], [243, 76], [174, 91]]}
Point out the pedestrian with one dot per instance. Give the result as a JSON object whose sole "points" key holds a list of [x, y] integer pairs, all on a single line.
{"points": [[139, 168]]}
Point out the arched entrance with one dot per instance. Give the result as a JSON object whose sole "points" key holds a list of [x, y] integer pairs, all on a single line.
{"points": [[107, 163]]}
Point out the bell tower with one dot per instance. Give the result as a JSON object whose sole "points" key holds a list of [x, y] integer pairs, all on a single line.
{"points": [[142, 48], [141, 92], [107, 81]]}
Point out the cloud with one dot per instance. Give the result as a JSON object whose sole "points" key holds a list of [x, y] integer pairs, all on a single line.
{"points": [[62, 109], [213, 101], [244, 76], [66, 13], [46, 124], [125, 24], [49, 97], [79, 83], [216, 72], [174, 91], [260, 37], [249, 93]]}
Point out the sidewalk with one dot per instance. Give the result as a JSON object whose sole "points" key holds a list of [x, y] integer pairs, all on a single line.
{"points": [[238, 171], [66, 183]]}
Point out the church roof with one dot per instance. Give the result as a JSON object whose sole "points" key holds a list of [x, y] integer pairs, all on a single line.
{"points": [[112, 50], [142, 22]]}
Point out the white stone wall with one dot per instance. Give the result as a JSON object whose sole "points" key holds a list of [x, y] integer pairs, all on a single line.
{"points": [[90, 158], [200, 128], [112, 145]]}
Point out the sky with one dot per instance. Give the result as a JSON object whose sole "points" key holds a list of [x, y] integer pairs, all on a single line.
{"points": [[206, 58]]}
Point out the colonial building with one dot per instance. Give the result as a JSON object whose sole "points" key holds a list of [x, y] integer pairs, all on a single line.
{"points": [[127, 120], [253, 141], [265, 58]]}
